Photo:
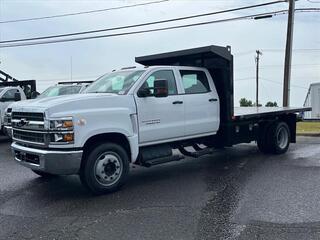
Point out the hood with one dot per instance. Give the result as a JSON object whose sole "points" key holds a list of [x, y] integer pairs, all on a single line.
{"points": [[76, 102]]}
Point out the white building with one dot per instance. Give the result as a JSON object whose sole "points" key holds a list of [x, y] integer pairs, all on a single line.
{"points": [[313, 100]]}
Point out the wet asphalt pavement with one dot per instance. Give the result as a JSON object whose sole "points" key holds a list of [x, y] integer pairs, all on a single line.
{"points": [[236, 193]]}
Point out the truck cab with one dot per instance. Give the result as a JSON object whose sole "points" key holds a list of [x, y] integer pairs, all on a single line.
{"points": [[9, 95], [190, 108]]}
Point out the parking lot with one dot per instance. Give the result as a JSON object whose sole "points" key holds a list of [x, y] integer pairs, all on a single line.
{"points": [[237, 193]]}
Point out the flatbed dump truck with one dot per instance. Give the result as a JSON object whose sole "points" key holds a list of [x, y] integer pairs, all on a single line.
{"points": [[179, 100]]}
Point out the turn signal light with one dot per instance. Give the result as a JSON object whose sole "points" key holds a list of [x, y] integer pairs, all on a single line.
{"points": [[67, 124], [68, 137]]}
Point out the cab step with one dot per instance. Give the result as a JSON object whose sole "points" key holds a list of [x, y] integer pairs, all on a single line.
{"points": [[158, 161], [198, 151]]}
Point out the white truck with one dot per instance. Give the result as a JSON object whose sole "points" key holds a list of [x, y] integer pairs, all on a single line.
{"points": [[62, 88], [9, 95], [180, 100]]}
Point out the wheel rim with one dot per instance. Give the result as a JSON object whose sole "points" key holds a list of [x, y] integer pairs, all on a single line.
{"points": [[108, 168], [282, 138]]}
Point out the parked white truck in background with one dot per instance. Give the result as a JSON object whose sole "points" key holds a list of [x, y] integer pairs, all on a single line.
{"points": [[9, 95], [62, 88], [138, 116]]}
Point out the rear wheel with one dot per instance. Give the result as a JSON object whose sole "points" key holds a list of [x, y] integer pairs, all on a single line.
{"points": [[105, 169], [274, 138], [262, 140], [279, 138]]}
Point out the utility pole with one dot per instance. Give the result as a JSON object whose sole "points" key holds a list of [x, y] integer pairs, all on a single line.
{"points": [[257, 59], [288, 56]]}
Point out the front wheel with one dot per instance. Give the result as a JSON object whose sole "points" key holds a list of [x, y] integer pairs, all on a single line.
{"points": [[105, 169]]}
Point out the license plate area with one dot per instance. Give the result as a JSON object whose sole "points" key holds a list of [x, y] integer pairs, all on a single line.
{"points": [[27, 157]]}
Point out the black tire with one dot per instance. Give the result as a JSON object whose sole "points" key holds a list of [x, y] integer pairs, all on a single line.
{"points": [[105, 168], [262, 140], [43, 174], [279, 138]]}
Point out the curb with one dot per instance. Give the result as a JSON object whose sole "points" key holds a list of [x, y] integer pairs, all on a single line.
{"points": [[308, 134]]}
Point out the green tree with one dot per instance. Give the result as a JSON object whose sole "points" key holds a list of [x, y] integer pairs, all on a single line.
{"points": [[271, 104], [245, 103]]}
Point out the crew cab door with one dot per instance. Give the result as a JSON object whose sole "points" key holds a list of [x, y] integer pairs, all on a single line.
{"points": [[201, 103], [160, 118]]}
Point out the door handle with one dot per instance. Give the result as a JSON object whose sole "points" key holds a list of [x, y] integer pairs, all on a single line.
{"points": [[177, 102], [213, 100]]}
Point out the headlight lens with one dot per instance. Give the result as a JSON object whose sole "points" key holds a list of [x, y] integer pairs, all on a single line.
{"points": [[67, 137], [61, 131], [61, 124]]}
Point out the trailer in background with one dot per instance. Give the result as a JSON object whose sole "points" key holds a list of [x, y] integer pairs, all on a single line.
{"points": [[313, 100]]}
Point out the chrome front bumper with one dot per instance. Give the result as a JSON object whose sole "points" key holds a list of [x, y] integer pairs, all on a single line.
{"points": [[50, 161]]}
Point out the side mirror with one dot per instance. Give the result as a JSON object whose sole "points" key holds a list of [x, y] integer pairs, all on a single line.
{"points": [[17, 96], [161, 88], [144, 92]]}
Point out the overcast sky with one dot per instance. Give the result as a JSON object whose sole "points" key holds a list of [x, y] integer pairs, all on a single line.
{"points": [[51, 63]]}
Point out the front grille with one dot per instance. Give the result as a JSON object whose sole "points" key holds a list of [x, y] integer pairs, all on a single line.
{"points": [[32, 137], [28, 116]]}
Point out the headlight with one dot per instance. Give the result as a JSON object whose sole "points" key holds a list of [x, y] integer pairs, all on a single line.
{"points": [[67, 137], [61, 124], [61, 130]]}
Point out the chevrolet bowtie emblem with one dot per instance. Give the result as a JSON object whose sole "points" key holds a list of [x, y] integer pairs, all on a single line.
{"points": [[23, 122]]}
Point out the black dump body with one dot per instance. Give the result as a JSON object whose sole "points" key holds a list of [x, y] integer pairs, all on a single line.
{"points": [[237, 125], [218, 60]]}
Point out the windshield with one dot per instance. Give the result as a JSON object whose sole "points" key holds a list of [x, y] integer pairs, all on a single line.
{"points": [[115, 82], [60, 90]]}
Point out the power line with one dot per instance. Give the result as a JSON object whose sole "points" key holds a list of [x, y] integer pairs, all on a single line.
{"points": [[268, 80], [238, 54], [293, 65], [141, 31], [142, 24], [292, 85], [80, 13], [313, 1], [296, 50], [281, 65]]}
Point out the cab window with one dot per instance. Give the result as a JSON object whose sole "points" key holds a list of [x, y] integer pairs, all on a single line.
{"points": [[10, 94], [194, 81], [163, 75]]}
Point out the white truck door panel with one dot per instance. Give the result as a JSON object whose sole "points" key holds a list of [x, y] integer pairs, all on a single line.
{"points": [[160, 118], [201, 103]]}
